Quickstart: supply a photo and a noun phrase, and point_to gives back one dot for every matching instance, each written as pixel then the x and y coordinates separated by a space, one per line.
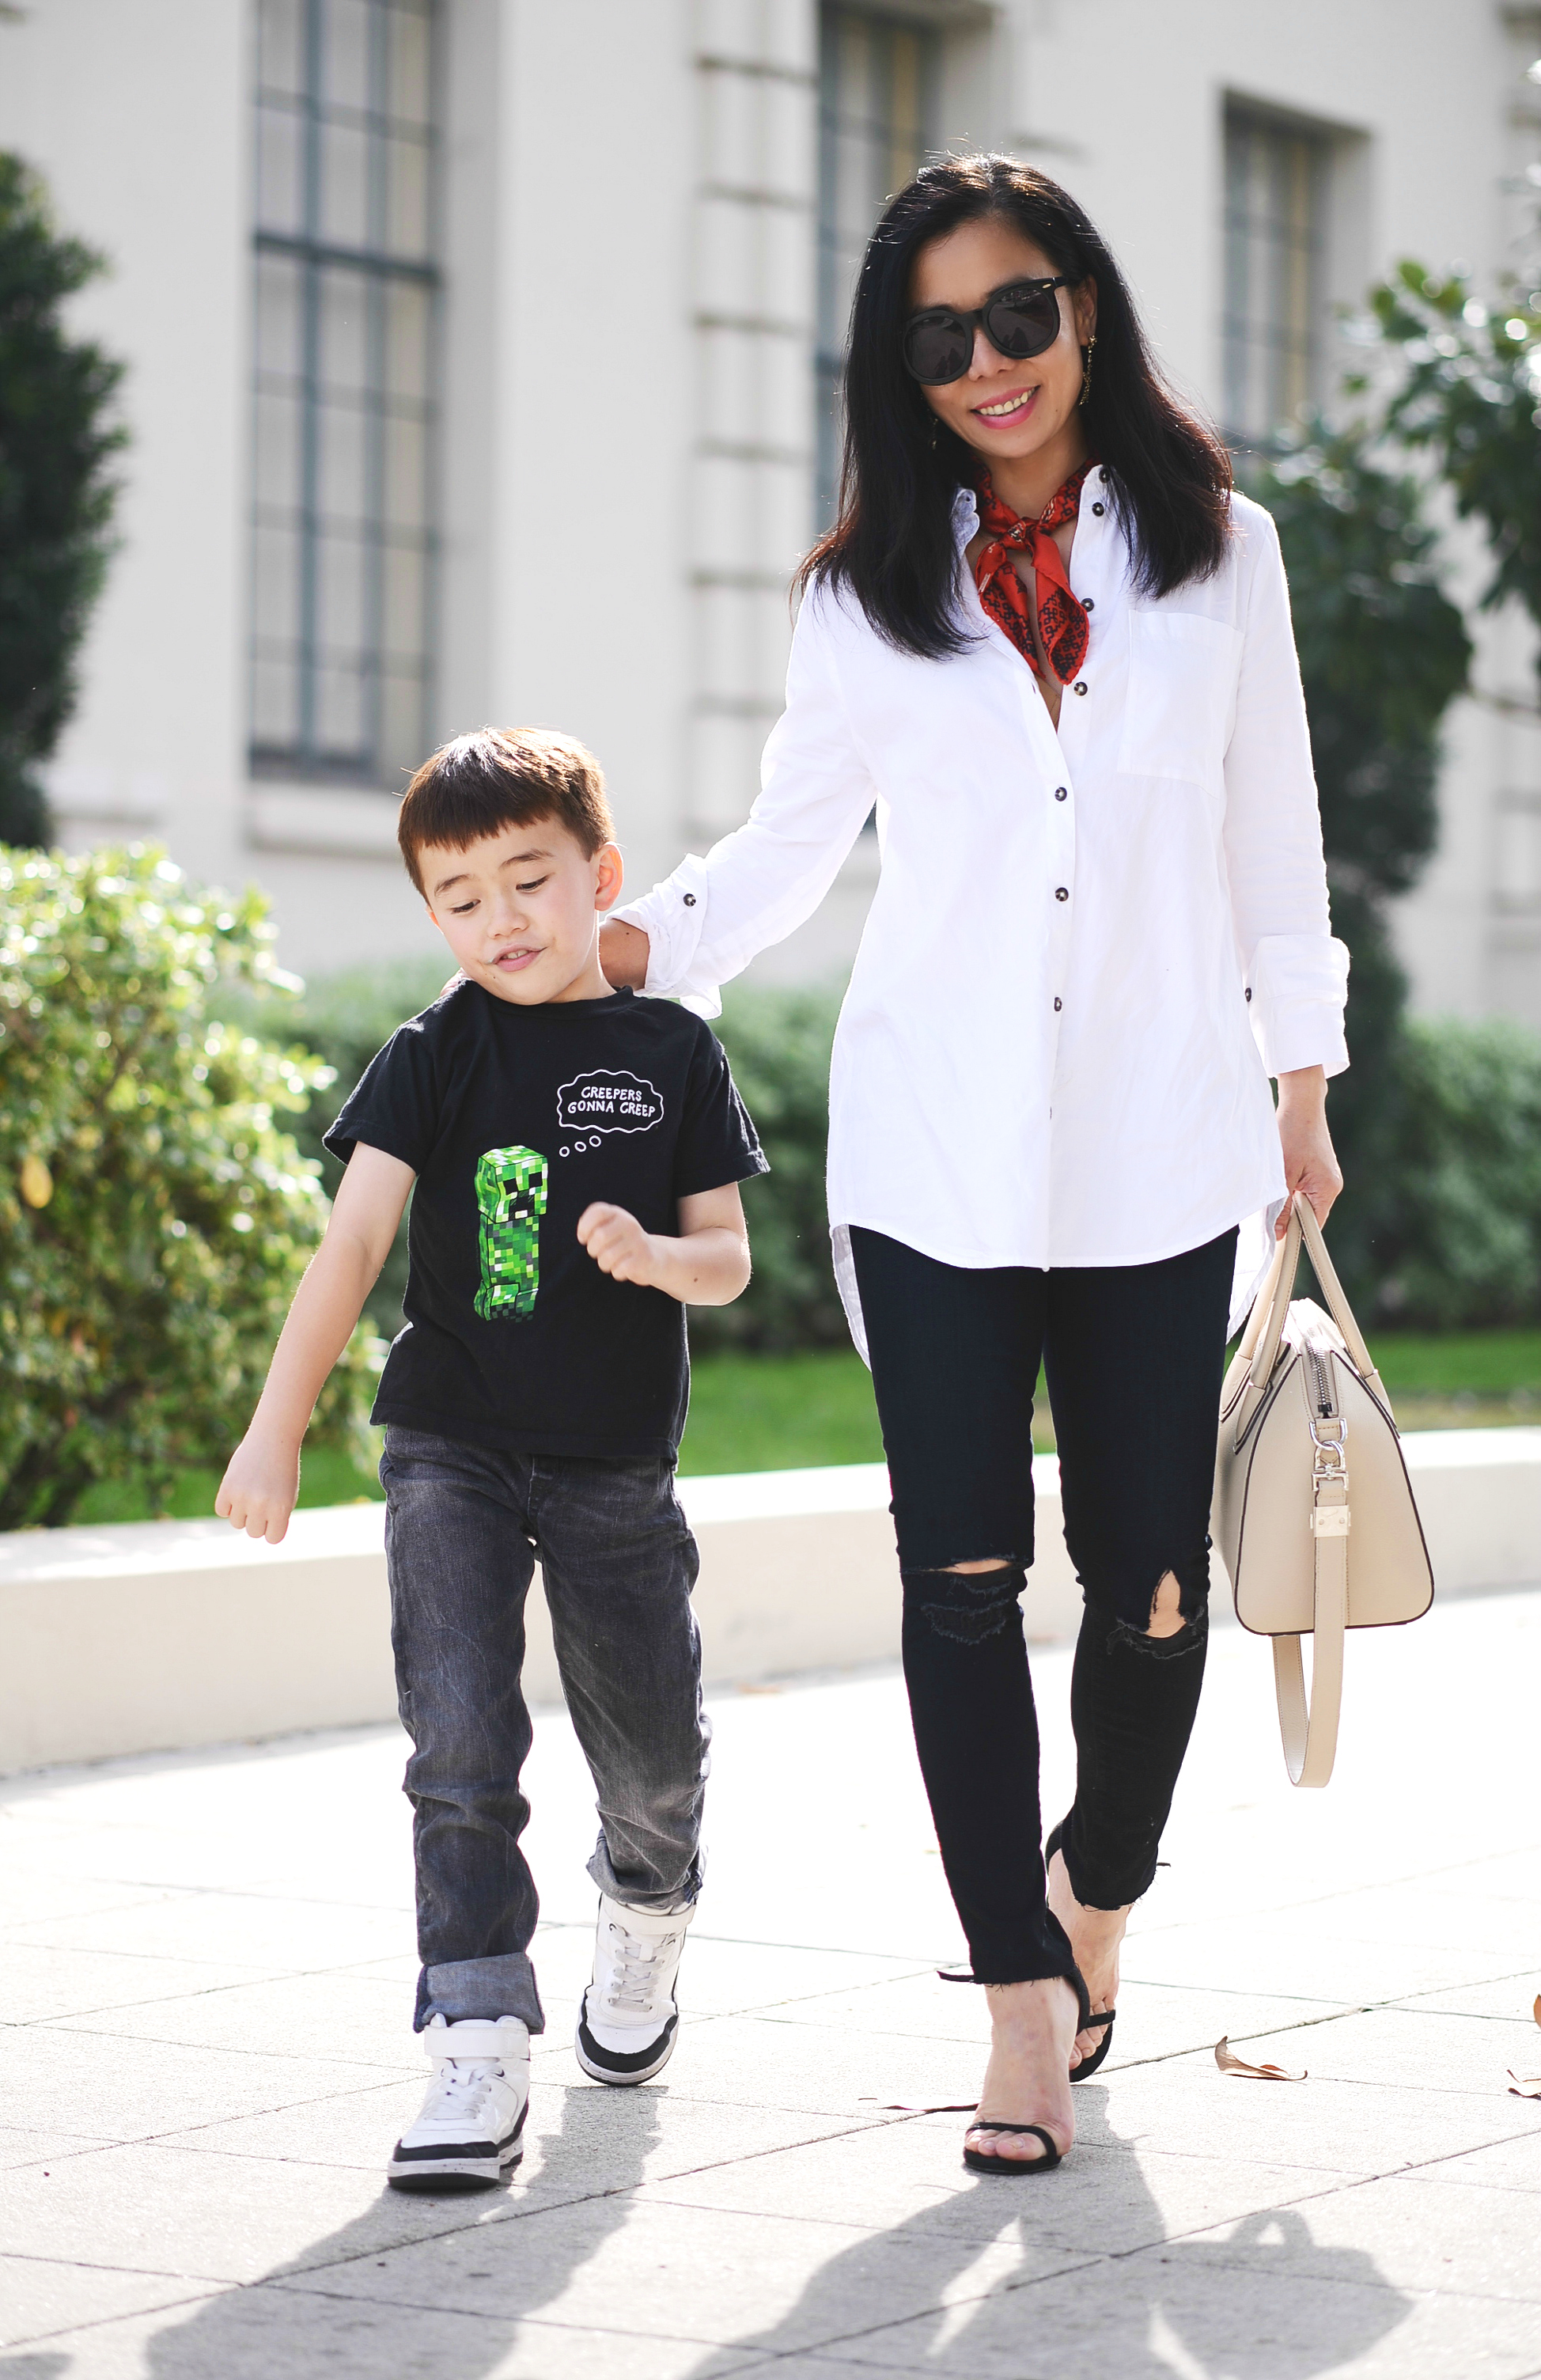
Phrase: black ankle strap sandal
pixel 982 2161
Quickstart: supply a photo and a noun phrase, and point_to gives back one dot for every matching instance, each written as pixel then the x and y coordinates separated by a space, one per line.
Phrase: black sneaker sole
pixel 622 2068
pixel 474 2165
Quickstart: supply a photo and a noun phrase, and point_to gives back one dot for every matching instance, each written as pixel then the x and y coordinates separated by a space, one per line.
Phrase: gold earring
pixel 1086 369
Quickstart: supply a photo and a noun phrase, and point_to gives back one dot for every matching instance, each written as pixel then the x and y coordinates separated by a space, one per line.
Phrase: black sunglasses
pixel 1023 319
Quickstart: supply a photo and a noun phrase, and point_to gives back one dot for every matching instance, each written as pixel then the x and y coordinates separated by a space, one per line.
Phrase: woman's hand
pixel 624 954
pixel 1309 1162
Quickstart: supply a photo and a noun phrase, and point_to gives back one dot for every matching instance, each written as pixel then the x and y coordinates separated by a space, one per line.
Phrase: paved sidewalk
pixel 205 1972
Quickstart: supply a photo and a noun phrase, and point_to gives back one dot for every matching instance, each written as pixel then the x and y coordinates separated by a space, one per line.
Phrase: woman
pixel 1052 646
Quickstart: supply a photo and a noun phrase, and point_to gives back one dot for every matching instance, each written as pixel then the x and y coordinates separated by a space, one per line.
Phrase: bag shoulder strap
pixel 1310 1729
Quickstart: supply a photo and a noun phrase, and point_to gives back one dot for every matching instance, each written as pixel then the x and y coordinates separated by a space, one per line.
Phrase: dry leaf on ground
pixel 1523 2086
pixel 1228 2063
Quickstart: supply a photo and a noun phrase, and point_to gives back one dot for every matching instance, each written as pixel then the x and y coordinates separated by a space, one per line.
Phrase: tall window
pixel 876 103
pixel 344 414
pixel 1275 193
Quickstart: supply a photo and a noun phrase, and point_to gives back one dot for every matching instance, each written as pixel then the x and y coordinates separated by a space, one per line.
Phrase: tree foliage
pixel 1383 653
pixel 155 1214
pixel 1469 394
pixel 57 436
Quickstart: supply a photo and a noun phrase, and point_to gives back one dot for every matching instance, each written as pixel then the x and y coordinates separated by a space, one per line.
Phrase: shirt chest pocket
pixel 1183 674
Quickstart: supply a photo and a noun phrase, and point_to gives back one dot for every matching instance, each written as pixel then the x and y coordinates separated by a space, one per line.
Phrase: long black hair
pixel 892 543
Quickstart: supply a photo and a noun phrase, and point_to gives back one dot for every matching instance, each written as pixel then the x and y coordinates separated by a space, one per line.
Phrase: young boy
pixel 577 1153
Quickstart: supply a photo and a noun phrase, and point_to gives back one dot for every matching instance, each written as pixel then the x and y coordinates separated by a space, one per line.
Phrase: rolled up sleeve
pixel 1296 971
pixel 712 915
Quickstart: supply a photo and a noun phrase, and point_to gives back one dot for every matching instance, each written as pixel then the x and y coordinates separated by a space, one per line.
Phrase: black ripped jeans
pixel 1133 1355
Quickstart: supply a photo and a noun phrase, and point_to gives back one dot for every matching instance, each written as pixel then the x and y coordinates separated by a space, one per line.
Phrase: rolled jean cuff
pixel 480 1988
pixel 663 1903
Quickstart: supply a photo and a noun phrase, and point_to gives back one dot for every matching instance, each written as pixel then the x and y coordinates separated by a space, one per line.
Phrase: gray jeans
pixel 463 1528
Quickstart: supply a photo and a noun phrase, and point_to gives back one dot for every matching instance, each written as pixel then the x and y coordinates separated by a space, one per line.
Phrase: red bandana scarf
pixel 1061 621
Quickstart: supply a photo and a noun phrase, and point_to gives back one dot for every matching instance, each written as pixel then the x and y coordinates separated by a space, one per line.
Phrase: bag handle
pixel 1270 1312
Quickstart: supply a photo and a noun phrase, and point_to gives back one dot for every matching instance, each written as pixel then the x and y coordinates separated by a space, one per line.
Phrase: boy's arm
pixel 258 1492
pixel 707 1265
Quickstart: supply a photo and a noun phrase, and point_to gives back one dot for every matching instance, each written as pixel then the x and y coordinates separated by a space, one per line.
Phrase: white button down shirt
pixel 1088 947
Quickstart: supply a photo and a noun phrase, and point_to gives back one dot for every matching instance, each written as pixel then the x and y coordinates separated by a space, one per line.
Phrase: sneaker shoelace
pixel 636 1961
pixel 459 2088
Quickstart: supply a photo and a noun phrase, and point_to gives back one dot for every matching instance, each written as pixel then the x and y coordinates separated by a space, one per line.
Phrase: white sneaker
pixel 626 2023
pixel 468 2133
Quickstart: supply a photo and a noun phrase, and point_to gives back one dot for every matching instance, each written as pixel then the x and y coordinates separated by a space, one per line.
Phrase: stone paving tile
pixel 41 2294
pixel 38 1984
pixel 328 2015
pixel 21 2146
pixel 715 2275
pixel 1155 2020
pixel 577 2142
pixel 242 1930
pixel 282 2332
pixel 1300 1955
pixel 129 2089
pixel 1504 2165
pixel 913 2175
pixel 1186 2107
pixel 143 2208
pixel 35 1895
pixel 718 1977
pixel 1411 2048
pixel 1172 2311
pixel 1505 1996
pixel 758 2060
pixel 1481 2241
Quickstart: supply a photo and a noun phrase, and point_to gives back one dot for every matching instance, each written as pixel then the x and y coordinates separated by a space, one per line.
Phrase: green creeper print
pixel 511 1194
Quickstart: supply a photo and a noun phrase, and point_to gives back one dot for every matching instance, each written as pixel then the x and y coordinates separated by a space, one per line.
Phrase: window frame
pixel 308 758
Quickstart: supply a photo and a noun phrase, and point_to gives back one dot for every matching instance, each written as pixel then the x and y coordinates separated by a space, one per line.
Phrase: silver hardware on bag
pixel 1360 1561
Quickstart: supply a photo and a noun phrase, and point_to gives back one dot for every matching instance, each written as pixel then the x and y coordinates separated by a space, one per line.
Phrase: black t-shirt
pixel 514 1120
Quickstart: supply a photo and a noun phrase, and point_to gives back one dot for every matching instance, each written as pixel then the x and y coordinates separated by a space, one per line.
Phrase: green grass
pixel 779 1413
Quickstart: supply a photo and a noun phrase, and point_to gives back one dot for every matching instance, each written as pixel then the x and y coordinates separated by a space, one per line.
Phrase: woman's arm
pixel 707 921
pixel 1296 974
pixel 261 1481
pixel 1310 1160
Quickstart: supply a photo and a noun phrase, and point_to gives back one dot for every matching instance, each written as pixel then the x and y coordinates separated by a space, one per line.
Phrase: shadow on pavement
pixel 366 2302
pixel 1265 2303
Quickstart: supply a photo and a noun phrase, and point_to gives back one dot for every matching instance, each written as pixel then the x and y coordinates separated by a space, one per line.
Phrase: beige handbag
pixel 1313 1513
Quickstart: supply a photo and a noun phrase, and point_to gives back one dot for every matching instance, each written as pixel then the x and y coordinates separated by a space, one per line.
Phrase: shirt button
pixel 690 900
pixel 1088 603
pixel 1060 893
pixel 1249 991
pixel 1058 1005
pixel 1061 792
pixel 1080 685
pixel 1099 509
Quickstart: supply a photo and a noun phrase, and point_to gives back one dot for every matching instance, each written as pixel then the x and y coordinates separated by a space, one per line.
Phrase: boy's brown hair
pixel 503 776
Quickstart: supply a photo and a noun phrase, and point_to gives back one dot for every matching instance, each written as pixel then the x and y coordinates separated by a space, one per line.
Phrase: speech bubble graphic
pixel 609 1099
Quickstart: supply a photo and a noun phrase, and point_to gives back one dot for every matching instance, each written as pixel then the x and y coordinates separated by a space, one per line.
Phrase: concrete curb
pixel 155 1635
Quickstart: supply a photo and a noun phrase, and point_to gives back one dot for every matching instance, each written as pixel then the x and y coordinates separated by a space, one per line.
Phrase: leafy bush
pixel 1383 652
pixel 56 498
pixel 155 1215
pixel 1462 1243
pixel 778 1043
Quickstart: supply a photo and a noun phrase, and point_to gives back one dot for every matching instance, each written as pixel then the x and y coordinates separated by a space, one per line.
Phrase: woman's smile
pixel 1013 406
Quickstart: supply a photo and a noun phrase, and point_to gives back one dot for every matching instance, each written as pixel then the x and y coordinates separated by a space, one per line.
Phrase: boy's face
pixel 521 910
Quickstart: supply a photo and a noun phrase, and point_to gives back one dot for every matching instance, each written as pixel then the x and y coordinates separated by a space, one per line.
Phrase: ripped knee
pixel 968 1603
pixel 1166 1608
